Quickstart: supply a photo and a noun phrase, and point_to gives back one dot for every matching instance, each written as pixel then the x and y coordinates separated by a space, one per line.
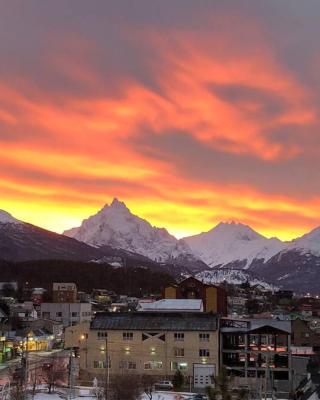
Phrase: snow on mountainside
pixel 233 277
pixel 308 243
pixel 114 225
pixel 233 243
pixel 6 218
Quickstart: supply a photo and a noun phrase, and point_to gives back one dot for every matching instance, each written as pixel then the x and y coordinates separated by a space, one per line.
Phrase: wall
pixel 140 352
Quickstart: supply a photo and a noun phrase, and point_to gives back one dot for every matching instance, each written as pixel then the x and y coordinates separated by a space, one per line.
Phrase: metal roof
pixel 172 305
pixel 252 325
pixel 161 321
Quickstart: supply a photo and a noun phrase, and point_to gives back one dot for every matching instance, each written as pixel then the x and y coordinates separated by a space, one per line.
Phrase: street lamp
pixel 107 362
pixel 84 336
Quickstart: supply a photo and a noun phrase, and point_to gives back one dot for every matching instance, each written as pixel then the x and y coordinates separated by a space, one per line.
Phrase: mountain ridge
pixel 114 230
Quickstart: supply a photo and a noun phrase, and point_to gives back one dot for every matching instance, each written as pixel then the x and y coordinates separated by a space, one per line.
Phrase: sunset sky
pixel 191 112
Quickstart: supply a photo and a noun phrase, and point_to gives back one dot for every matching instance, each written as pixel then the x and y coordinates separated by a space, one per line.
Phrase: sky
pixel 191 112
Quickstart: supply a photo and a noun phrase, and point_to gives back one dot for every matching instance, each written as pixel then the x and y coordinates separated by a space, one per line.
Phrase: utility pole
pixel 107 371
pixel 24 371
pixel 71 374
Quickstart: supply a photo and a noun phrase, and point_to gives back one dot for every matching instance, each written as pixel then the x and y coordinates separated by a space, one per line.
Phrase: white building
pixel 172 305
pixel 67 313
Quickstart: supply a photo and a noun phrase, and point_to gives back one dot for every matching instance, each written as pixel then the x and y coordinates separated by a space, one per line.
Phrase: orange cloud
pixel 62 157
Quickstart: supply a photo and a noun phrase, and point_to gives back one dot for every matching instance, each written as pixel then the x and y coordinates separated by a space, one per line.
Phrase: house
pixel 214 298
pixel 149 343
pixel 303 336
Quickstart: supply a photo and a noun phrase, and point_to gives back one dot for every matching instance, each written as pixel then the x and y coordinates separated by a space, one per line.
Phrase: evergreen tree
pixel 178 379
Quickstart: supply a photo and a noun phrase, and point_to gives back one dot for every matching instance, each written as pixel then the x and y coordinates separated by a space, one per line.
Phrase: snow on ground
pixel 156 396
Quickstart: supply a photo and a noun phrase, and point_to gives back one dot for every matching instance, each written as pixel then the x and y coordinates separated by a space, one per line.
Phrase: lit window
pixel 101 364
pixel 178 365
pixel 153 365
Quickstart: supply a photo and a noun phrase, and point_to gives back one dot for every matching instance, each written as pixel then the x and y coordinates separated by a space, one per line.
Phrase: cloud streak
pixel 190 122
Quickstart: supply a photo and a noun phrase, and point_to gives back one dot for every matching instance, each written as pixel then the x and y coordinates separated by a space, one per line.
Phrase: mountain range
pixel 115 229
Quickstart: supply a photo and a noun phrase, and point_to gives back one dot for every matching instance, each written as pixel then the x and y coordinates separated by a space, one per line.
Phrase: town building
pixel 214 298
pixel 66 313
pixel 260 349
pixel 152 343
pixel 303 336
pixel 64 292
pixel 171 305
pixel 37 296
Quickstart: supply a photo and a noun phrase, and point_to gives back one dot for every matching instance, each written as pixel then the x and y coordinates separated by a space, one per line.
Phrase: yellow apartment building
pixel 152 343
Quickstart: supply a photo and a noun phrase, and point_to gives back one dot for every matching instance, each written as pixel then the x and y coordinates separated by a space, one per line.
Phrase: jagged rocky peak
pixel 116 205
pixel 6 218
pixel 114 225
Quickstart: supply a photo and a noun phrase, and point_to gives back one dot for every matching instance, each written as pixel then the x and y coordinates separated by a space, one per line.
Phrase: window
pixel 127 335
pixel 59 314
pixel 99 364
pixel 204 337
pixel 179 337
pixel 132 365
pixel 178 365
pixel 102 335
pixel 74 314
pixel 204 353
pixel 179 352
pixel 46 315
pixel 127 365
pixel 153 365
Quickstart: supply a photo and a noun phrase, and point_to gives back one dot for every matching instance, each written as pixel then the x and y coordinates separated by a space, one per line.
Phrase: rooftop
pixel 163 321
pixel 172 305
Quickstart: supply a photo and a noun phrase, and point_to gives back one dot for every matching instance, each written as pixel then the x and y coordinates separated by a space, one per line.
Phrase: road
pixel 35 359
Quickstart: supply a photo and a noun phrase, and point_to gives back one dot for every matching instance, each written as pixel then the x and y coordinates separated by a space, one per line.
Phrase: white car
pixel 164 385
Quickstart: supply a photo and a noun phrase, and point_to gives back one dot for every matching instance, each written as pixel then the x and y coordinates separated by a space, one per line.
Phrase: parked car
pixel 168 385
pixel 198 397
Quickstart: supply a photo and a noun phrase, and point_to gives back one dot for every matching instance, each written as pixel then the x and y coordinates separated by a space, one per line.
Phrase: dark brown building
pixel 214 298
pixel 64 292
pixel 302 335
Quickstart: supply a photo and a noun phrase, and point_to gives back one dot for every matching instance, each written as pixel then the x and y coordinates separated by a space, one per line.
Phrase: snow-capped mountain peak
pixel 310 242
pixel 6 218
pixel 116 226
pixel 233 243
pixel 234 230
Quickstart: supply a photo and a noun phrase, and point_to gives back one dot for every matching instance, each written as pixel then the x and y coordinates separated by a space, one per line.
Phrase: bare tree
pixel 121 387
pixel 54 372
pixel 147 385
pixel 18 387
pixel 35 378
pixel 125 387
